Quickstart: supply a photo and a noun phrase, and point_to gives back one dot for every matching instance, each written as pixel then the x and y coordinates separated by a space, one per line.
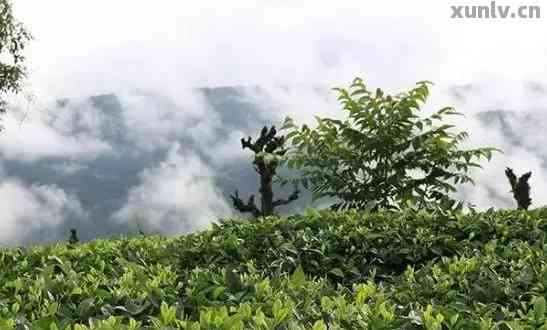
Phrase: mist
pixel 163 120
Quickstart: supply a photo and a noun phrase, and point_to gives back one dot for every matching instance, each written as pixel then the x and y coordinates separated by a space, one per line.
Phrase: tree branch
pixel 249 207
pixel 267 138
pixel 520 188
pixel 292 197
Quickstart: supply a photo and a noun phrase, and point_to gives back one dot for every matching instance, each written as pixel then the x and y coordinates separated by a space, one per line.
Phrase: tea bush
pixel 321 270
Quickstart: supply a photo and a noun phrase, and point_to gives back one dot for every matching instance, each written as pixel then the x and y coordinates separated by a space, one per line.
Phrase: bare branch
pixel 292 197
pixel 249 207
pixel 520 188
pixel 267 143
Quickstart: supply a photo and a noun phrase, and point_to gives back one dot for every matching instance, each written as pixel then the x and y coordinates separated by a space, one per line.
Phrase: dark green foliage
pixel 387 270
pixel 268 150
pixel 520 188
pixel 383 155
pixel 13 39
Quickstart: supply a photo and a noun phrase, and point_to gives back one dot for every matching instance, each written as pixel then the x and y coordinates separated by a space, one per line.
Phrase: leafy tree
pixel 520 188
pixel 13 39
pixel 383 155
pixel 268 152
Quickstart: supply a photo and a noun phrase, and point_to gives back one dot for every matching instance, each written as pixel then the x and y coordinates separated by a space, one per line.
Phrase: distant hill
pixel 142 129
pixel 102 183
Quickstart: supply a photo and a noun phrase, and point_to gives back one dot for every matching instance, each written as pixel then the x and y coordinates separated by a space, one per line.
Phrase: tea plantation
pixel 321 270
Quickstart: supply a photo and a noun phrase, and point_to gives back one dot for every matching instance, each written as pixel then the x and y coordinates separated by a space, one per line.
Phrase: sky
pixel 135 44
pixel 166 48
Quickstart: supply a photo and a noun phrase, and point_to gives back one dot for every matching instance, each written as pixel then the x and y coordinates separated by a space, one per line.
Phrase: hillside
pixel 406 270
pixel 139 130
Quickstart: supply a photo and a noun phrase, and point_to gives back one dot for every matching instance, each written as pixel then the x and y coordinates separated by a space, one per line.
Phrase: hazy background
pixel 134 110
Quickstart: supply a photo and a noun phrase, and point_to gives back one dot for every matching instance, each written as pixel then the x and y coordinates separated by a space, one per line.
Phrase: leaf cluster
pixel 383 154
pixel 385 270
pixel 13 40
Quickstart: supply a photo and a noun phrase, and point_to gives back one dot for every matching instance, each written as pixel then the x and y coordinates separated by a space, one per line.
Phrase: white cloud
pixel 527 121
pixel 177 196
pixel 34 212
pixel 104 47
pixel 300 102
pixel 155 120
pixel 32 134
pixel 164 48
